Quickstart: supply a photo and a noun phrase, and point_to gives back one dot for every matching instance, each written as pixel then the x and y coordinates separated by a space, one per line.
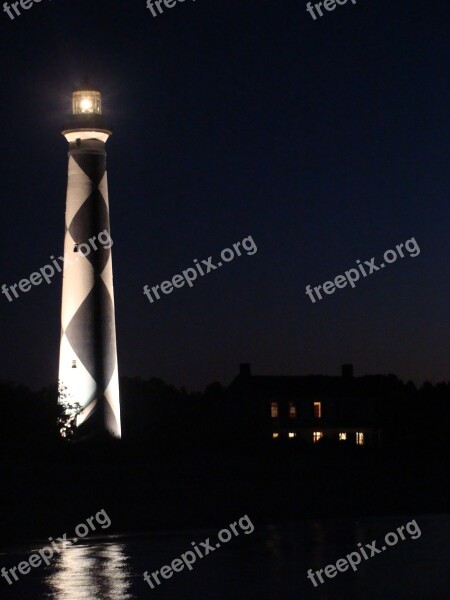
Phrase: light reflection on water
pixel 269 564
pixel 88 572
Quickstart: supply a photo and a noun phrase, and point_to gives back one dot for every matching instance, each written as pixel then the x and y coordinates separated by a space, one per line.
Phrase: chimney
pixel 245 370
pixel 347 371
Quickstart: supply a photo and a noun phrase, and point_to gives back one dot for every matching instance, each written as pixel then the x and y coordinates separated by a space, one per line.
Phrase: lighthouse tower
pixel 88 371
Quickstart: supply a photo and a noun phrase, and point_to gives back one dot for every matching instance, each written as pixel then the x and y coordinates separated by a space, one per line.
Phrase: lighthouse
pixel 88 369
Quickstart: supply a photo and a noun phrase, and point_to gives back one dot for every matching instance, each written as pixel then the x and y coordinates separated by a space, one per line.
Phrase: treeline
pixel 159 419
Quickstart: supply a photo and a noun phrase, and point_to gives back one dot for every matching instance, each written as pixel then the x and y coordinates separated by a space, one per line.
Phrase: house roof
pixel 320 385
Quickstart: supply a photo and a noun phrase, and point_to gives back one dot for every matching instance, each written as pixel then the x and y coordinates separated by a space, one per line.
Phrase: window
pixel 317 410
pixel 292 410
pixel 274 410
pixel 317 435
pixel 275 435
pixel 359 439
pixel 342 437
pixel 74 364
pixel 292 434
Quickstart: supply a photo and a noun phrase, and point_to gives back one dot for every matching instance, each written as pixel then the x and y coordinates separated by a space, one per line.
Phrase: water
pixel 270 563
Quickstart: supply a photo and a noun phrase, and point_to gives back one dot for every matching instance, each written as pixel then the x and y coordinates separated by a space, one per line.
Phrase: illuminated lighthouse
pixel 88 370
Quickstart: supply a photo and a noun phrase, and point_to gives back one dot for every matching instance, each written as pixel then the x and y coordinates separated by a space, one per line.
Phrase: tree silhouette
pixel 68 412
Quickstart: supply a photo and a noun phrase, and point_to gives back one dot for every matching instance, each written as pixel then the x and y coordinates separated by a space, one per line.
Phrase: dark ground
pixel 50 496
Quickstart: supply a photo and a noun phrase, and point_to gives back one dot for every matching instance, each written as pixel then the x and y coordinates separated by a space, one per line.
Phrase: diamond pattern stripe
pixel 88 337
pixel 92 218
pixel 94 165
pixel 91 334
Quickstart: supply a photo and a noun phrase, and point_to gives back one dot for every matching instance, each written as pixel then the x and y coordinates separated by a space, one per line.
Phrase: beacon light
pixel 86 102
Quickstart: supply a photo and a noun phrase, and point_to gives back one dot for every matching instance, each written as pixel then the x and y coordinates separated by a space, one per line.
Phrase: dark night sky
pixel 325 140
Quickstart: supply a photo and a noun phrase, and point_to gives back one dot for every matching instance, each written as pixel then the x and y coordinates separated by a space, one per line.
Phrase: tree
pixel 68 412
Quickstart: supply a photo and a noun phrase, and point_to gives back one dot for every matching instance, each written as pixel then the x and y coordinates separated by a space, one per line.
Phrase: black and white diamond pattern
pixel 88 355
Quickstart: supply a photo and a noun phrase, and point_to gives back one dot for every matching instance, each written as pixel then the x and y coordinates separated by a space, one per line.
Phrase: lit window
pixel 342 437
pixel 359 439
pixel 274 410
pixel 292 434
pixel 74 364
pixel 317 410
pixel 317 435
pixel 275 434
pixel 292 410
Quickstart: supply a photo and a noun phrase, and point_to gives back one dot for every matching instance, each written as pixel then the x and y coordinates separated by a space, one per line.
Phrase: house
pixel 312 408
